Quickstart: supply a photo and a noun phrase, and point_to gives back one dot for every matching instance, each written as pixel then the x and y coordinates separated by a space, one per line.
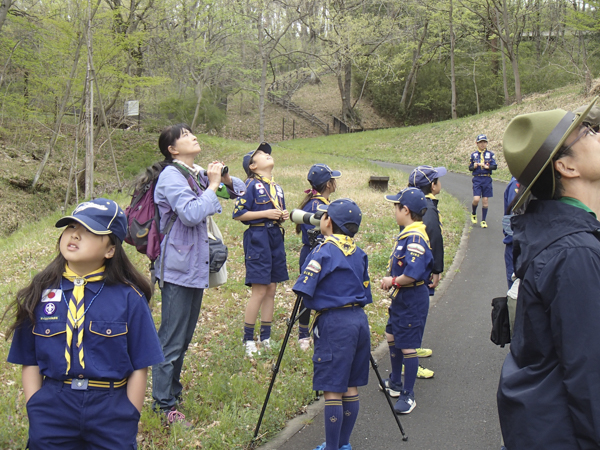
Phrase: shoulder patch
pixel 313 266
pixel 416 248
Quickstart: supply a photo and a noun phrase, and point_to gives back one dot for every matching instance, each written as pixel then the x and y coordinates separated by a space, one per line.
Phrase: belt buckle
pixel 80 384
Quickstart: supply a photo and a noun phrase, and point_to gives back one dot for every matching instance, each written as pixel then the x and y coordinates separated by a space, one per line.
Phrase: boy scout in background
pixel 482 163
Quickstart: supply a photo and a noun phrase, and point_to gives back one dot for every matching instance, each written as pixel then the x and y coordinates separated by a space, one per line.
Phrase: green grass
pixel 223 390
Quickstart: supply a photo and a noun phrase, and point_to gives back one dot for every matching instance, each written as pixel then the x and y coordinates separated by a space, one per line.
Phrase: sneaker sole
pixel 391 392
pixel 422 377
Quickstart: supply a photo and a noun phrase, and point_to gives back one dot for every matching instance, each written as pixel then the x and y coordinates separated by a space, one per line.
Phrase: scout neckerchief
pixel 415 228
pixel 272 192
pixel 321 198
pixel 76 314
pixel 344 243
pixel 432 197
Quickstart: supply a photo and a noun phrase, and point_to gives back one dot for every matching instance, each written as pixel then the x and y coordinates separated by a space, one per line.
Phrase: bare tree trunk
pixel 199 88
pixel 504 81
pixel 4 7
pixel 413 69
pixel 345 87
pixel 475 85
pixel 263 81
pixel 512 53
pixel 452 72
pixel 89 123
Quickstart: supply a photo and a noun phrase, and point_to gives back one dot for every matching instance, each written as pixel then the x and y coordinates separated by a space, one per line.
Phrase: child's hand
pixel 273 214
pixel 386 283
pixel 286 215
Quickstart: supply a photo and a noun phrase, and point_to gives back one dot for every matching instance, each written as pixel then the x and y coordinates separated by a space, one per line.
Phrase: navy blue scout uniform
pixel 482 178
pixel 317 176
pixel 264 248
pixel 335 283
pixel 420 177
pixel 509 195
pixel 410 304
pixel 119 337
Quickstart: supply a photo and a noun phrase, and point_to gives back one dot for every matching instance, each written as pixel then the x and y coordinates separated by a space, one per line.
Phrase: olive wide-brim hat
pixel 531 140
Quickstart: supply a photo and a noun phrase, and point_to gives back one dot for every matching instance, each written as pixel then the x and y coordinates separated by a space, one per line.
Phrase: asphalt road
pixel 457 408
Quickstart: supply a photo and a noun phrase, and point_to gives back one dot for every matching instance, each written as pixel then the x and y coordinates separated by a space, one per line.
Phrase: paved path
pixel 457 408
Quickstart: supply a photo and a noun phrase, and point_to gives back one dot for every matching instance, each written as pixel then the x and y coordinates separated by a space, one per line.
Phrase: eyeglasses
pixel 588 130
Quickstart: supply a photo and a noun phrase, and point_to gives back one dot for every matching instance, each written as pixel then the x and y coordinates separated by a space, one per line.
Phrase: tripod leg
pixel 388 398
pixel 291 322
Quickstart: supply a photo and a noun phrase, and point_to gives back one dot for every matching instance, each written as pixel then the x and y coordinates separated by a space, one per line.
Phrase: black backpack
pixel 500 322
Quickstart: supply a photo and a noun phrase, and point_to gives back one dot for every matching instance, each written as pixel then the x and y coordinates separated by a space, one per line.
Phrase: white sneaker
pixel 266 344
pixel 304 344
pixel 251 349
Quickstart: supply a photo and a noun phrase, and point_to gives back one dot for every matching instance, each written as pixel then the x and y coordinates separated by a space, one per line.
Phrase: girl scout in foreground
pixel 85 337
pixel 262 208
pixel 335 283
pixel 410 268
pixel 323 183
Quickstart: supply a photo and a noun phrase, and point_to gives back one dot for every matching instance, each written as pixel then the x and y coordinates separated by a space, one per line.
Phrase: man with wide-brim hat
pixel 549 391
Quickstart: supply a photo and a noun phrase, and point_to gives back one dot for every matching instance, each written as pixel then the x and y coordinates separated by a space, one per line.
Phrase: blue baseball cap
pixel 424 175
pixel 263 146
pixel 343 211
pixel 481 137
pixel 320 174
pixel 411 197
pixel 100 216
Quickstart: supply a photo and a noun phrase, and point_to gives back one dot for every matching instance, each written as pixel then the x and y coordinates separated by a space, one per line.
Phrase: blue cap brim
pixel 91 225
pixel 441 171
pixel 392 198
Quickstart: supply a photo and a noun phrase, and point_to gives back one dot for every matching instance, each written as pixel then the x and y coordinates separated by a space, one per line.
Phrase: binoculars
pixel 224 170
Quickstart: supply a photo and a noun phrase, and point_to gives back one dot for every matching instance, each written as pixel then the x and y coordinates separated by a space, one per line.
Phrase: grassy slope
pixel 224 390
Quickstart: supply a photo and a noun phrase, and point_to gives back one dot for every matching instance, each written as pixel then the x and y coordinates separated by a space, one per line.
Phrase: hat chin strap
pixel 544 153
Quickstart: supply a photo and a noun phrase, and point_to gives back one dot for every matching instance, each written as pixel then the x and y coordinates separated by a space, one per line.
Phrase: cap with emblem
pixel 343 212
pixel 412 198
pixel 320 174
pixel 481 137
pixel 532 140
pixel 100 216
pixel 263 146
pixel 424 175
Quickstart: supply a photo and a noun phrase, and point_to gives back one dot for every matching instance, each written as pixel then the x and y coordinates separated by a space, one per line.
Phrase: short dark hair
pixel 542 188
pixel 168 137
pixel 351 227
pixel 413 215
pixel 427 188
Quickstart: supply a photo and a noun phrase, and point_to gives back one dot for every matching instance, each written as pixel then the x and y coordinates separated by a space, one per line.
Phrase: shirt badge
pixel 51 295
pixel 49 309
pixel 259 186
pixel 400 247
pixel 416 248
pixel 314 266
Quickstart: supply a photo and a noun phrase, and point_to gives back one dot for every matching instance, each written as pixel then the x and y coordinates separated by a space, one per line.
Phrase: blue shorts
pixel 342 349
pixel 61 418
pixel 482 187
pixel 264 250
pixel 407 316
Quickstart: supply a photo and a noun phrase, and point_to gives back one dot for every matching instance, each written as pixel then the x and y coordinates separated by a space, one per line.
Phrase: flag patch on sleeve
pixel 51 295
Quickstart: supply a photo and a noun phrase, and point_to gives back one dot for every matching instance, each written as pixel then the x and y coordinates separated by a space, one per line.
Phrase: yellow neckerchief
pixel 76 314
pixel 344 243
pixel 415 228
pixel 321 198
pixel 432 197
pixel 272 193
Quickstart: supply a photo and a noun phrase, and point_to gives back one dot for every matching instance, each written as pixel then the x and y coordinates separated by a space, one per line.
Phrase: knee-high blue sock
pixel 396 359
pixel 483 213
pixel 411 366
pixel 248 332
pixel 334 418
pixel 265 330
pixel 351 406
pixel 474 209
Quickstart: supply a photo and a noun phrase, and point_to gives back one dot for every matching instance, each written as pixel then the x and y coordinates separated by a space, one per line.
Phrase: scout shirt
pixel 411 255
pixel 335 274
pixel 119 334
pixel 482 157
pixel 258 197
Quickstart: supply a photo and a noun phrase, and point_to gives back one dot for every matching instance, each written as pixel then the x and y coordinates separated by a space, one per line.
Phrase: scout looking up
pixel 262 208
pixel 85 337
